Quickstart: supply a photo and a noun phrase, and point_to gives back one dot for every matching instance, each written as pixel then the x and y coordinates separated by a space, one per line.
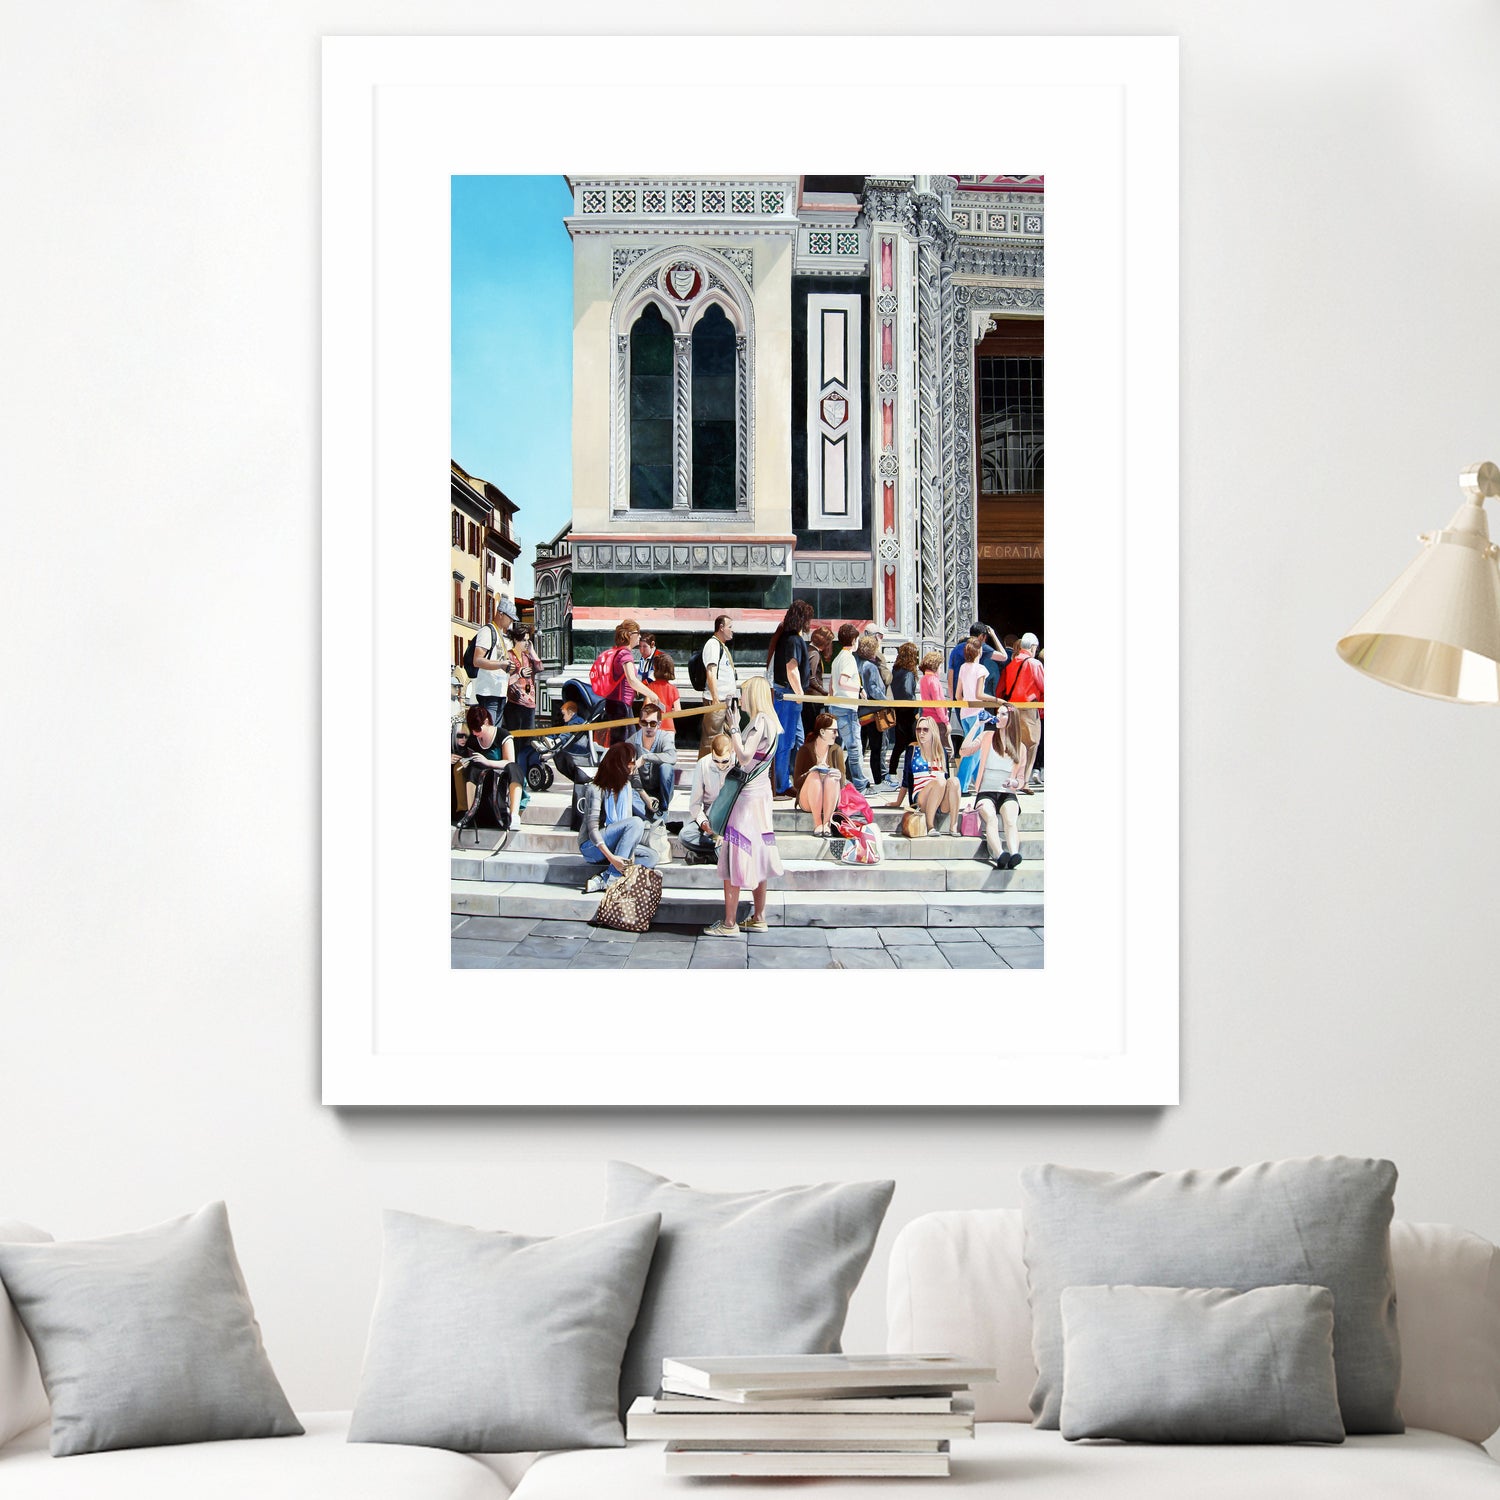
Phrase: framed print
pixel 739 445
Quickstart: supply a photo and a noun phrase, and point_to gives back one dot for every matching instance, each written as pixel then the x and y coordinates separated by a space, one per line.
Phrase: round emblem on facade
pixel 683 281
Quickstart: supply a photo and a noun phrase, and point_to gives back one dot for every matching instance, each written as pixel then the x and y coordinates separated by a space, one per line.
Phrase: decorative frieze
pixel 855 571
pixel 682 557
pixel 995 258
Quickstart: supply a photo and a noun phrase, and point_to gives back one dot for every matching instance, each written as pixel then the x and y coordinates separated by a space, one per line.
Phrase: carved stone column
pixel 896 593
pixel 682 421
pixel 619 487
pixel 742 423
pixel 931 533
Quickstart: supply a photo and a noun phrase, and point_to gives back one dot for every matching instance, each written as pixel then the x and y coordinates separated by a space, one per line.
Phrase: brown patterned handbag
pixel 629 903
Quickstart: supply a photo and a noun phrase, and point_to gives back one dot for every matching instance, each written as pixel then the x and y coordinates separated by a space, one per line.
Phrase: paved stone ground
pixel 532 943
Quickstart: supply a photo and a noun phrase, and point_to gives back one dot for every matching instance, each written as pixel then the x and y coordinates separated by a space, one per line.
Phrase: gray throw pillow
pixel 487 1342
pixel 1324 1221
pixel 1156 1364
pixel 147 1339
pixel 744 1273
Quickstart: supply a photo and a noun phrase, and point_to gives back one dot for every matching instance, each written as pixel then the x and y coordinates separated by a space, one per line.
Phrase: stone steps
pixel 784 908
pixel 508 867
pixel 552 809
pixel 536 838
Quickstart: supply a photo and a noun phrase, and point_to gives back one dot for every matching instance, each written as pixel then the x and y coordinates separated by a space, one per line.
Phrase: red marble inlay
pixel 887 422
pixel 890 596
pixel 886 277
pixel 885 344
pixel 889 521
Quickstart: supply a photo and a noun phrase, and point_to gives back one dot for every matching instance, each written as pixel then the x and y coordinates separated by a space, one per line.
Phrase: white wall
pixel 159 581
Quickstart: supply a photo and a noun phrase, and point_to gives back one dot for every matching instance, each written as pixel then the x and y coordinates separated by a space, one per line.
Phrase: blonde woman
pixel 748 856
pixel 928 779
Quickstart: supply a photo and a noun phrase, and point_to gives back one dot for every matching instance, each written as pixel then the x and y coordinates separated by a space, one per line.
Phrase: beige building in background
pixel 483 550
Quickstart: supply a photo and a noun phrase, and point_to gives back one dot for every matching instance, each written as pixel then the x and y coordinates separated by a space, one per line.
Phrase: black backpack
pixel 469 652
pixel 698 668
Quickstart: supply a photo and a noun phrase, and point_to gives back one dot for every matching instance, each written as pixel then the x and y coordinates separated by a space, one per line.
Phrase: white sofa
pixel 956 1282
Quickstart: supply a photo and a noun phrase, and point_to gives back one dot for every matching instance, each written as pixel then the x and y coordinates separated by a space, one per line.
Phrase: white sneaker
pixel 755 924
pixel 594 886
pixel 722 928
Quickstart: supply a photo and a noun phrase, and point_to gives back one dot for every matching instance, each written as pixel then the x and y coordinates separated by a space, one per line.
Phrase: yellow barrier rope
pixel 868 705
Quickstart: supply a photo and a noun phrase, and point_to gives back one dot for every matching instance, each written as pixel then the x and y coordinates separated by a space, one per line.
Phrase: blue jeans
pixel 620 839
pixel 847 720
pixel 657 781
pixel 789 741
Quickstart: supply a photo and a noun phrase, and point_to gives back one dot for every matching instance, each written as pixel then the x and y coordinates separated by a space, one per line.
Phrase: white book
pixel 752 1425
pixel 890 1405
pixel 805 1465
pixel 814 1445
pixel 741 1396
pixel 825 1371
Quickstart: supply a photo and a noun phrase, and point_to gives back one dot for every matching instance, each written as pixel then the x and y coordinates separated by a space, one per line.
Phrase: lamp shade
pixel 1436 630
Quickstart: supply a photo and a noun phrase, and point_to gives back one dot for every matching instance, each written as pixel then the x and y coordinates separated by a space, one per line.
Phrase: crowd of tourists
pixel 928 756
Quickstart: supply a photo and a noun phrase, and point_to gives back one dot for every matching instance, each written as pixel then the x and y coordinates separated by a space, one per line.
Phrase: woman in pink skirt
pixel 748 857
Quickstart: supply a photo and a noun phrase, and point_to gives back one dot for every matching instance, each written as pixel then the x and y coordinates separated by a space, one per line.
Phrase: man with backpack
pixel 487 663
pixel 712 671
pixel 614 678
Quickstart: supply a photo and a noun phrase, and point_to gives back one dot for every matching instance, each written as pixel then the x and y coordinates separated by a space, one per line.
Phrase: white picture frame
pixel 1099 1023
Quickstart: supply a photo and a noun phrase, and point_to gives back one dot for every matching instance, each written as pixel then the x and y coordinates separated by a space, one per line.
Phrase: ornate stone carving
pixel 622 260
pixel 742 258
pixel 988 258
pixel 889 200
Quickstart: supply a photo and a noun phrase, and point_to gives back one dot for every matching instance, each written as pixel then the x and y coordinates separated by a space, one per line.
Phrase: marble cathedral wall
pixel 831 344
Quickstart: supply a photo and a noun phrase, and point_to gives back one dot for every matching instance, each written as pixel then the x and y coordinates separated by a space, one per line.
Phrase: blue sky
pixel 512 348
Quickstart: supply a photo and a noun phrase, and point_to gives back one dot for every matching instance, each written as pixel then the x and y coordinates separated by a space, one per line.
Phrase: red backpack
pixel 606 674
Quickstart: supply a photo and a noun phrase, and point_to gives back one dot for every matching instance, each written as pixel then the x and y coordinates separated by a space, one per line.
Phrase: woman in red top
pixel 664 685
pixel 622 682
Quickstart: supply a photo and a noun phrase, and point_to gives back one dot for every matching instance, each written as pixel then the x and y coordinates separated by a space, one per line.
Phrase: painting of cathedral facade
pixel 820 387
pixel 827 390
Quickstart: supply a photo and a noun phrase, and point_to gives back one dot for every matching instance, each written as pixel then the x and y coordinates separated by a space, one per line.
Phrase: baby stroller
pixel 572 739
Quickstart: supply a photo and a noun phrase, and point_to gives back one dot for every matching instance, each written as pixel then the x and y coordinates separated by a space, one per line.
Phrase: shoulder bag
pixel 735 782
pixel 629 903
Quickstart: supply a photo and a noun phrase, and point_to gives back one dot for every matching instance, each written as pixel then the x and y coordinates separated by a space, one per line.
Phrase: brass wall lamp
pixel 1436 630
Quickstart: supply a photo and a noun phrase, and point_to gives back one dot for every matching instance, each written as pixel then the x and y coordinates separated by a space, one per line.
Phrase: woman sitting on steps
pixel 927 778
pixel 611 832
pixel 994 739
pixel 819 775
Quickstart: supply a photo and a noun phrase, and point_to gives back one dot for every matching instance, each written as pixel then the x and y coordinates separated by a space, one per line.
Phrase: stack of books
pixel 810 1414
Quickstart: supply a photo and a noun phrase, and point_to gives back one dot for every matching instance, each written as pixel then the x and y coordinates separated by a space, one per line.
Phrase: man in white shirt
pixel 492 675
pixel 722 681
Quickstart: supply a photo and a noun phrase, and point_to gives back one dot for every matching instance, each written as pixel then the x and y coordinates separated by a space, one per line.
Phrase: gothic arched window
pixel 682 386
pixel 713 411
pixel 651 411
